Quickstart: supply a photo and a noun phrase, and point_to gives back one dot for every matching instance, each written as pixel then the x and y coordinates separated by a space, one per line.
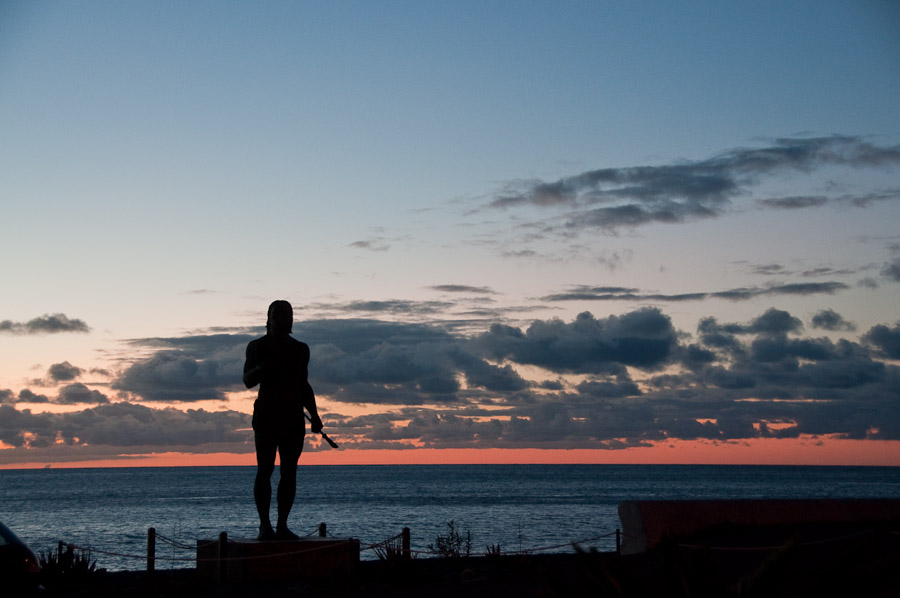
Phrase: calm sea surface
pixel 519 507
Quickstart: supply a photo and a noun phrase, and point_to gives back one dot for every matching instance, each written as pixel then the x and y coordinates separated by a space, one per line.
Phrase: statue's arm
pixel 252 367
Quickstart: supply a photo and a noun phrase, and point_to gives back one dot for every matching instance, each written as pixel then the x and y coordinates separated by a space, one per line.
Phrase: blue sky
pixel 439 168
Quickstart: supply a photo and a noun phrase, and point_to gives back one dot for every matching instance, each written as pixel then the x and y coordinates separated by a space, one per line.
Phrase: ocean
pixel 521 508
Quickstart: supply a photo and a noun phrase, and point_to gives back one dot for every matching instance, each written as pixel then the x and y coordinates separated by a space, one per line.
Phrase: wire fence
pixel 398 546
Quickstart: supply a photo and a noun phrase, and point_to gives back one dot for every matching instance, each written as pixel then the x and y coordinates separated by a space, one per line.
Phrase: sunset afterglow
pixel 595 233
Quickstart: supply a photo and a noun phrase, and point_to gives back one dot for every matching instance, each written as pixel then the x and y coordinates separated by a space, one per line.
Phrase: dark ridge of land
pixel 860 564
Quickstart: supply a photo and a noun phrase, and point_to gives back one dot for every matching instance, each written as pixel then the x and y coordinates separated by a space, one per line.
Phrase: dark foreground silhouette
pixel 854 566
pixel 279 364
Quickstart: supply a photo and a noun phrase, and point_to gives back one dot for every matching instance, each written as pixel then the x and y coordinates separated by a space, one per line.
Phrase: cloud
pixel 814 385
pixel 413 310
pixel 886 340
pixel 769 269
pixel 46 324
pixel 374 361
pixel 61 372
pixel 800 288
pixel 198 368
pixel 355 360
pixel 610 199
pixel 793 203
pixel 602 293
pixel 891 270
pixel 867 283
pixel 371 245
pixel 124 425
pixel 590 382
pixel 76 393
pixel 520 253
pixel 608 389
pixel 644 338
pixel 775 322
pixel 399 306
pixel 461 288
pixel 70 394
pixel 27 396
pixel 828 319
pixel 827 271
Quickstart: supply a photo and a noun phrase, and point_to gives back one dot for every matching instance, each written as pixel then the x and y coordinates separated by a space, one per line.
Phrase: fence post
pixel 322 530
pixel 151 549
pixel 223 555
pixel 404 543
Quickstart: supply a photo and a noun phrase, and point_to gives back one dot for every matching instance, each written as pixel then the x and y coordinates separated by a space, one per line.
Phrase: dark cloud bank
pixel 122 425
pixel 623 380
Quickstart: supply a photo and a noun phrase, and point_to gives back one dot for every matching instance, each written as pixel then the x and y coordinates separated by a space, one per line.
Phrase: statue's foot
pixel 284 533
pixel 266 533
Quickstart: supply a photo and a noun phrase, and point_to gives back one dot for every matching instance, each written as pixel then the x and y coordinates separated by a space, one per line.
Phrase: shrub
pixel 453 544
pixel 68 564
pixel 389 550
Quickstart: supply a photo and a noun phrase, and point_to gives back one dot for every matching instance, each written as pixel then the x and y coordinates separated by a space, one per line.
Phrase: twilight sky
pixel 610 228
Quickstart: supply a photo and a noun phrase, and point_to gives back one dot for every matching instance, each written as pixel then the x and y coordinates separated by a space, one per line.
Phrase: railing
pixel 383 549
pixel 405 551
pixel 388 548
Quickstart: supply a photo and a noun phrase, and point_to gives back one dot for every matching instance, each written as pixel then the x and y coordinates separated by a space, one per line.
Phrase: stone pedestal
pixel 251 560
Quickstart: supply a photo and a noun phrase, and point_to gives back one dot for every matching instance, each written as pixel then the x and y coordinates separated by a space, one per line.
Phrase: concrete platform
pixel 242 559
pixel 645 524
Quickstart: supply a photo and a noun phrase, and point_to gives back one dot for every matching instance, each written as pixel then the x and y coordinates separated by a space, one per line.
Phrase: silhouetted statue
pixel 278 363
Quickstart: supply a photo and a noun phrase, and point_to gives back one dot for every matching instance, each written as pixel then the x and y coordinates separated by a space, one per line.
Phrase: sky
pixel 602 232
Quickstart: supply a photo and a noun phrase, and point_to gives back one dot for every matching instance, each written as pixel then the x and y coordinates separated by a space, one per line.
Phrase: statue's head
pixel 281 317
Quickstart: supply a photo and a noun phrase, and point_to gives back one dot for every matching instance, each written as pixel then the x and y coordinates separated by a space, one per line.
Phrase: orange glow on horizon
pixel 808 451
